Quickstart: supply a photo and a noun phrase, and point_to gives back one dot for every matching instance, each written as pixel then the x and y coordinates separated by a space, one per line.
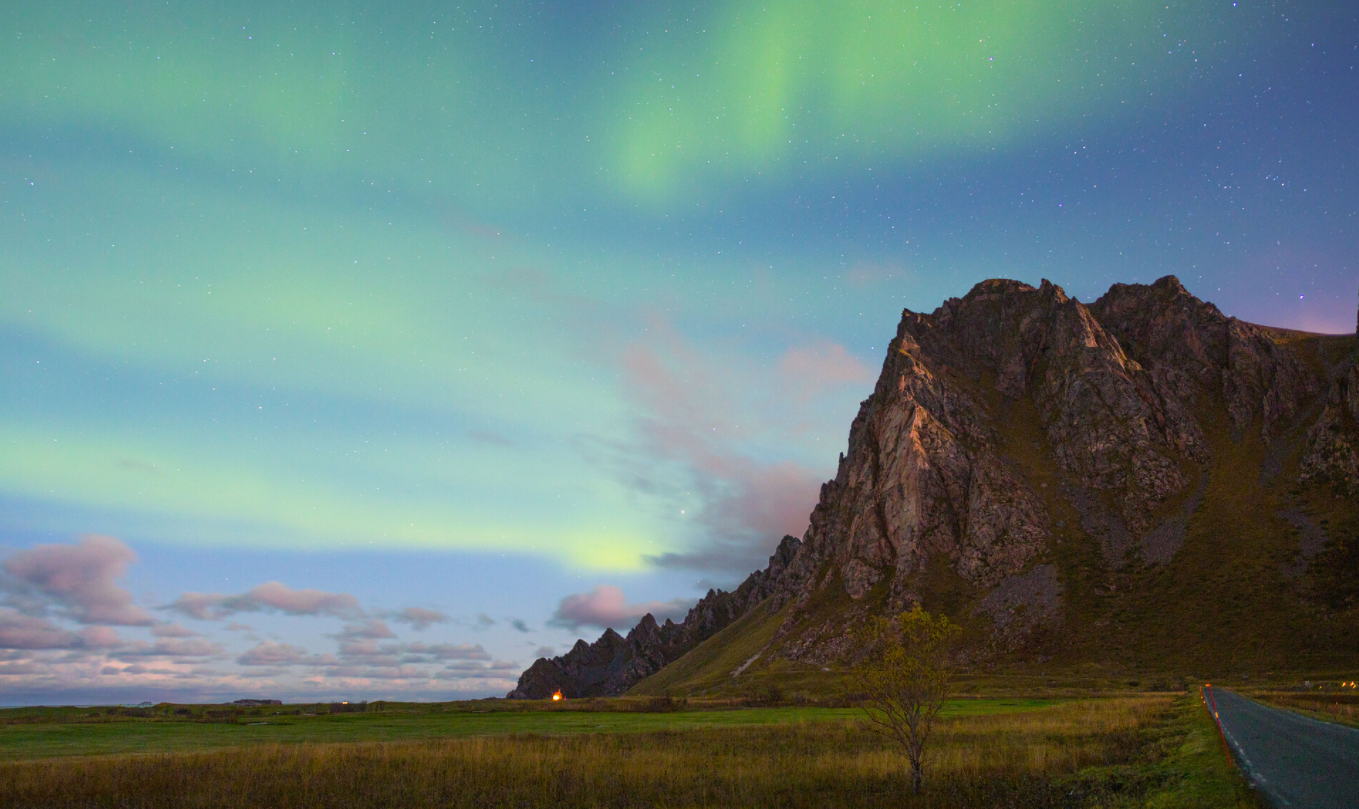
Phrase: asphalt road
pixel 1295 761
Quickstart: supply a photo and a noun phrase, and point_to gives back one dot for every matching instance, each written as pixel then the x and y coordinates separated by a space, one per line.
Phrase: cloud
pixel 810 370
pixel 605 607
pixel 372 628
pixel 79 579
pixel 20 668
pixel 416 617
pixel 270 596
pixel 19 631
pixel 171 647
pixel 447 651
pixel 545 651
pixel 518 623
pixel 499 670
pixel 368 652
pixel 269 653
pixel 484 620
pixel 705 437
pixel 359 672
pixel 99 637
pixel 172 631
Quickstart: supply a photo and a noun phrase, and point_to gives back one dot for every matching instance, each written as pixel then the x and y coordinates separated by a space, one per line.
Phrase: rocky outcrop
pixel 588 670
pixel 613 664
pixel 1333 443
pixel 1195 354
pixel 926 474
pixel 1118 390
pixel 1023 603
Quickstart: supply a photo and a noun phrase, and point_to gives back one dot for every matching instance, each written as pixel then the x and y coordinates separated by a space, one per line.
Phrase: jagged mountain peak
pixel 1016 426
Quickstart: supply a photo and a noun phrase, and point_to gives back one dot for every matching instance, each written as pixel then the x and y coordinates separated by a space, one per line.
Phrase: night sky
pixel 373 350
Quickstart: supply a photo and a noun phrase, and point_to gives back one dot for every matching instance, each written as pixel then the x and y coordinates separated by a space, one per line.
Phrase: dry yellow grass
pixel 1000 760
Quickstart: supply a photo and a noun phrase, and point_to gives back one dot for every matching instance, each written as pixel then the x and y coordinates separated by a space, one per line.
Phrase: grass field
pixel 77 733
pixel 1157 751
pixel 1330 706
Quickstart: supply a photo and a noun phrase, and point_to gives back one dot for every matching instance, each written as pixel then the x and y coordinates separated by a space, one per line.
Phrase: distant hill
pixel 1140 485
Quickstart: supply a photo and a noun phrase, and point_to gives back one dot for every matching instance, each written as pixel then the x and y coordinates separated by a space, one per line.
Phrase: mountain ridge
pixel 1023 456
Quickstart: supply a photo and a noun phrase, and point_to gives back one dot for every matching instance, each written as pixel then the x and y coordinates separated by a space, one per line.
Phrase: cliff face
pixel 924 476
pixel 1334 440
pixel 1015 428
pixel 1119 395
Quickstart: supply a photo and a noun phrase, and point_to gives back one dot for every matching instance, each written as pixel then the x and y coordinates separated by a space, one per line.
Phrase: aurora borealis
pixel 474 309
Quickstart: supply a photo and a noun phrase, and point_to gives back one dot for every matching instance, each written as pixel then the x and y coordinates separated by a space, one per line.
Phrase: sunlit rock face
pixel 1014 400
pixel 940 468
pixel 929 476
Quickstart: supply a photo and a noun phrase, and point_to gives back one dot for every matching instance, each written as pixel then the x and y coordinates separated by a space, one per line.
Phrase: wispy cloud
pixel 172 631
pixel 703 442
pixel 270 596
pixel 270 653
pixel 416 617
pixel 810 370
pixel 171 647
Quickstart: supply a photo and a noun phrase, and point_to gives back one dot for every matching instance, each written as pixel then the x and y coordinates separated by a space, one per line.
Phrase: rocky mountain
pixel 613 664
pixel 1140 483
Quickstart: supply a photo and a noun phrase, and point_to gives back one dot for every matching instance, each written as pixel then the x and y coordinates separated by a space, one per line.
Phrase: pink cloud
pixel 770 499
pixel 358 648
pixel 268 596
pixel 80 578
pixel 417 617
pixel 708 426
pixel 100 637
pixel 605 606
pixel 172 631
pixel 372 628
pixel 269 653
pixel 379 673
pixel 19 631
pixel 810 370
pixel 171 647
pixel 300 602
pixel 446 651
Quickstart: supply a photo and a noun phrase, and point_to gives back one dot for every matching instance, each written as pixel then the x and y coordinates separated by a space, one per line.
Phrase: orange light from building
pixel 557 695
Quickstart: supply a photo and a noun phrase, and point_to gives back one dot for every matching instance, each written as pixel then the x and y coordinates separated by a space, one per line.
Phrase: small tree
pixel 904 676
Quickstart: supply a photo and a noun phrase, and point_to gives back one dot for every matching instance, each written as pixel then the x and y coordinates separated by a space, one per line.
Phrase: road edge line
pixel 1206 694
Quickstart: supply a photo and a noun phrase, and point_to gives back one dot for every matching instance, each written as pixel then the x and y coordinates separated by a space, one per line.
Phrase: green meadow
pixel 75 732
pixel 1143 750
